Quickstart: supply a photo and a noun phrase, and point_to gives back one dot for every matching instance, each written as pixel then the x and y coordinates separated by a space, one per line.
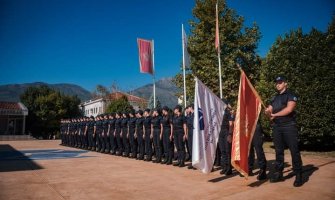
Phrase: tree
pixel 119 105
pixel 151 102
pixel 308 62
pixel 237 42
pixel 101 91
pixel 46 107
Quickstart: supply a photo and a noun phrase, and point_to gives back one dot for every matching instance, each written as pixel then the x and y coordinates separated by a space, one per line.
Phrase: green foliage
pixel 237 42
pixel 151 102
pixel 119 105
pixel 100 91
pixel 308 61
pixel 46 107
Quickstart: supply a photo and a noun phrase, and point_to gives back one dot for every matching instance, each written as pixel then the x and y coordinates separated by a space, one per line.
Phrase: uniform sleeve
pixel 292 97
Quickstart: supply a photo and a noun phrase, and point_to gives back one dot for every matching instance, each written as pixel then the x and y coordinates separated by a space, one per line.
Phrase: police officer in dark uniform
pixel 285 133
pixel 84 136
pixel 131 131
pixel 73 132
pixel 105 134
pixel 118 134
pixel 139 134
pixel 179 134
pixel 189 122
pixel 225 137
pixel 156 131
pixel 80 132
pixel 111 133
pixel 125 141
pixel 257 144
pixel 98 133
pixel 65 129
pixel 91 134
pixel 147 135
pixel 167 136
pixel 62 130
pixel 67 133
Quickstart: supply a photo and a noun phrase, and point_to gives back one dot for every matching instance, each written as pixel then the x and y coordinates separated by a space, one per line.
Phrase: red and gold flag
pixel 248 108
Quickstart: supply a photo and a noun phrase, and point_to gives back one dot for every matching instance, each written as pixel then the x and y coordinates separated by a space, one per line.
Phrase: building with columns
pixel 12 118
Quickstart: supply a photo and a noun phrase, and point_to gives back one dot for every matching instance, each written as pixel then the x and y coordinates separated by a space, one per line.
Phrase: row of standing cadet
pixel 141 135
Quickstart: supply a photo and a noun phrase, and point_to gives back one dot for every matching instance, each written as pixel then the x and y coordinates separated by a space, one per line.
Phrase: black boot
pixel 250 173
pixel 177 163
pixel 298 180
pixel 276 177
pixel 169 161
pixel 164 162
pixel 229 171
pixel 261 175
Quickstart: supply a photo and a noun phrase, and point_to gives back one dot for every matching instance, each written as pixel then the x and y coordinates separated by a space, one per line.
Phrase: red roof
pixel 10 105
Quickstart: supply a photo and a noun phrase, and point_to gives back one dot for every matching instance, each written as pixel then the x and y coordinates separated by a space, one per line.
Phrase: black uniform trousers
pixel 99 139
pixel 132 142
pixel 157 144
pixel 167 145
pixel 225 148
pixel 112 141
pixel 119 141
pixel 140 142
pixel 190 142
pixel 257 145
pixel 287 136
pixel 125 141
pixel 180 144
pixel 84 140
pixel 148 143
pixel 91 140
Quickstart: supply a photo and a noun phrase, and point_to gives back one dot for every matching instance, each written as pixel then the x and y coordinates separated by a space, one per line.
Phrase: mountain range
pixel 165 91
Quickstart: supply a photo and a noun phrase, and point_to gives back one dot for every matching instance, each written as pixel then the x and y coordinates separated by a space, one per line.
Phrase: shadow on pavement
pixel 307 172
pixel 14 160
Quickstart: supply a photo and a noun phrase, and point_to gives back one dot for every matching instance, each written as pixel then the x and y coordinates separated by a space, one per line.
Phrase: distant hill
pixel 165 92
pixel 12 92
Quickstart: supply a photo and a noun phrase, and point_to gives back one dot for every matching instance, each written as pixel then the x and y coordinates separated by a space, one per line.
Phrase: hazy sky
pixel 90 42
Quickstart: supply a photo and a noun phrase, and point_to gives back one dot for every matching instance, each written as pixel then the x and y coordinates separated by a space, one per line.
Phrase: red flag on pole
pixel 248 108
pixel 217 33
pixel 145 50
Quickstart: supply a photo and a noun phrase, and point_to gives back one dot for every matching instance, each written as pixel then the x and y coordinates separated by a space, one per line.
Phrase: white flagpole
pixel 218 50
pixel 184 74
pixel 153 75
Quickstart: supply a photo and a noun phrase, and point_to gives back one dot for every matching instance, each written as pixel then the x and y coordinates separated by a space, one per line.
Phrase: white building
pixel 99 106
pixel 93 107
